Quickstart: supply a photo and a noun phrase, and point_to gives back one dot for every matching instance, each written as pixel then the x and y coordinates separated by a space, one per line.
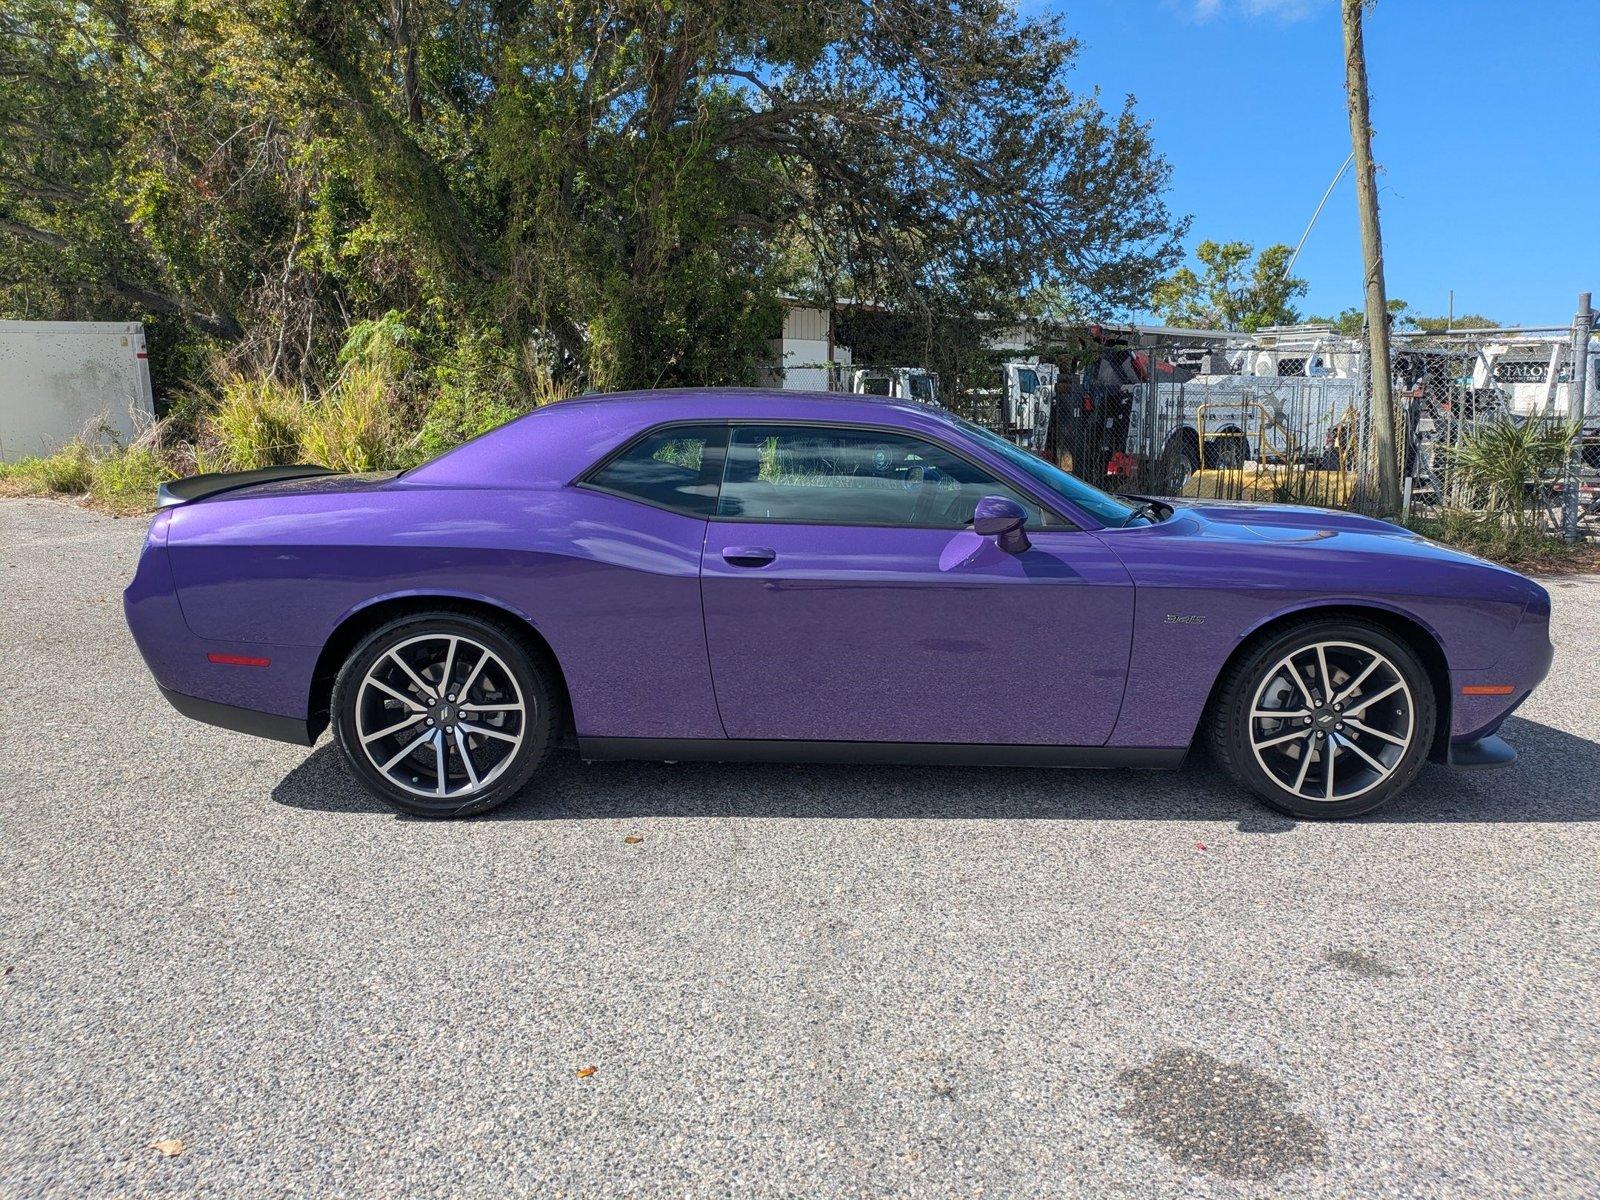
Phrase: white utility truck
pixel 60 379
pixel 903 383
pixel 1030 394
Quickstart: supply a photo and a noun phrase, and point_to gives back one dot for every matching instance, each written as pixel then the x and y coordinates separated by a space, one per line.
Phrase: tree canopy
pixel 618 193
pixel 1234 289
pixel 1351 321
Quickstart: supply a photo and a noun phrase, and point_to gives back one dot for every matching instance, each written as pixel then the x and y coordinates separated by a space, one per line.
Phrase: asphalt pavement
pixel 793 981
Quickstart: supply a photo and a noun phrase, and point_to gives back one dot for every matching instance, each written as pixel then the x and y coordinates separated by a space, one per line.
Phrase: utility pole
pixel 1355 83
pixel 1577 410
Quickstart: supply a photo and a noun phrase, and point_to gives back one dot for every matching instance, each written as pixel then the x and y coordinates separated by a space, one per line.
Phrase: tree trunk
pixel 405 45
pixel 1383 431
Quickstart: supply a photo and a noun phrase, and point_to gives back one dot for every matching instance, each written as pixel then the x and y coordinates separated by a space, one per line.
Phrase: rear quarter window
pixel 678 468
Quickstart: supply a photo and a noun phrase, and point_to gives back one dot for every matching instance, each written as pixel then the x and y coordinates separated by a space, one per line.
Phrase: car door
pixel 846 600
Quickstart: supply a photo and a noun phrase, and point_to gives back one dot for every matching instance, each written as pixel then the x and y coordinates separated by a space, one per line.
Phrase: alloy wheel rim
pixel 1331 721
pixel 440 716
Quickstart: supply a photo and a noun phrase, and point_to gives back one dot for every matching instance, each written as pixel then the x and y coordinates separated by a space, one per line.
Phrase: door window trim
pixel 1063 522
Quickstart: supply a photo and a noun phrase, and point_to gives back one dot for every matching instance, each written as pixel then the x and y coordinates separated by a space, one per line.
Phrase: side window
pixel 676 468
pixel 852 477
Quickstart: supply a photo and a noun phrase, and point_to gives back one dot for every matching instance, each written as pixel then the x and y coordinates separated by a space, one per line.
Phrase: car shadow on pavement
pixel 1556 779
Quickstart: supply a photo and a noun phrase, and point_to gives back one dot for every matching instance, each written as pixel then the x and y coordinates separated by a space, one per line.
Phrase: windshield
pixel 1104 507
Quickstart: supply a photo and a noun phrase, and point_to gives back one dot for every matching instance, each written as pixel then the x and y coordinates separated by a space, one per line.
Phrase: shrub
pixel 1490 535
pixel 454 418
pixel 1499 465
pixel 478 386
pixel 384 343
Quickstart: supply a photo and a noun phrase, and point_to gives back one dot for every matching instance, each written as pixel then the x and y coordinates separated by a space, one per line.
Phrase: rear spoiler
pixel 199 487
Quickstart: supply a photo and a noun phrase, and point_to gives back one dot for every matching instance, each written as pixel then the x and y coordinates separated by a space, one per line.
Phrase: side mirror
pixel 1002 520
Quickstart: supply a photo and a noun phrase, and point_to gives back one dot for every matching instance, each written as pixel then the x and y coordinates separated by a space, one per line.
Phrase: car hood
pixel 1291 518
pixel 1294 527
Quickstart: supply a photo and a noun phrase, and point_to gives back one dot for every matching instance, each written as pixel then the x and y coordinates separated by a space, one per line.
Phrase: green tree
pixel 615 191
pixel 1234 289
pixel 1462 321
pixel 1351 321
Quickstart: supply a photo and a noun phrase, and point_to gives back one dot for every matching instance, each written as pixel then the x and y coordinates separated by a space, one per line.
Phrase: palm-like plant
pixel 1500 465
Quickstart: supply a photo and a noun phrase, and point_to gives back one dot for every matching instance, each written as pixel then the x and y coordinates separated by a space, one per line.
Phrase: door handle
pixel 749 556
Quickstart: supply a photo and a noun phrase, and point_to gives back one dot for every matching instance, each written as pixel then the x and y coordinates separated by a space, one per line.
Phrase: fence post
pixel 1577 410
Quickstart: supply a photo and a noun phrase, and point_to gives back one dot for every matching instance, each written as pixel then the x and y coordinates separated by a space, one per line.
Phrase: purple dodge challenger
pixel 741 575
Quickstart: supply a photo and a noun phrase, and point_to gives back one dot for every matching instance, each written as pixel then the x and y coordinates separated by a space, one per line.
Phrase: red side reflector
pixel 239 660
pixel 1488 689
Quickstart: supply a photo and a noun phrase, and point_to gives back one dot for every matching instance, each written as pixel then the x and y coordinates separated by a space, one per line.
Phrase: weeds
pixel 1489 535
pixel 353 427
pixel 119 479
pixel 256 423
pixel 67 472
pixel 125 481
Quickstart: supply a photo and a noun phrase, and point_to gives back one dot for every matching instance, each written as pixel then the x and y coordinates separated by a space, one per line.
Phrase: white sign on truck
pixel 61 378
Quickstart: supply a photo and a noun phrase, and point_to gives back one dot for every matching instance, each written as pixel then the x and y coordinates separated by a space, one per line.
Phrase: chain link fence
pixel 1482 419
pixel 1488 422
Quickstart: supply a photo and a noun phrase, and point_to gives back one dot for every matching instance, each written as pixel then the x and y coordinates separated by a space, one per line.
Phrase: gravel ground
pixel 802 981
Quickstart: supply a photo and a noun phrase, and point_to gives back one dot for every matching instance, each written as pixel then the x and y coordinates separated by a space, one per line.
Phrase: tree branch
pixel 218 324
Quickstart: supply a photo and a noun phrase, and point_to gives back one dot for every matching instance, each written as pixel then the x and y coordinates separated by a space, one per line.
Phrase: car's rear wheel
pixel 443 714
pixel 1326 719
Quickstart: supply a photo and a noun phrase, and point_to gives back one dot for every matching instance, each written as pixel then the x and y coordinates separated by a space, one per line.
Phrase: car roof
pixel 720 397
pixel 554 443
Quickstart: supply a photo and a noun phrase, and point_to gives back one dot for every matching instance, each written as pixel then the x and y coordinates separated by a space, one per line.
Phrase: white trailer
pixel 59 379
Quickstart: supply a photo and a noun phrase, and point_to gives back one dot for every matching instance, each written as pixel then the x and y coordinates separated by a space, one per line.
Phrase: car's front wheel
pixel 443 714
pixel 1326 719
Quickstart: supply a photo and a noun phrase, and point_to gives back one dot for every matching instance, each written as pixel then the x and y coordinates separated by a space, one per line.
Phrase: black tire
pixel 1179 461
pixel 1231 725
pixel 512 769
pixel 1228 451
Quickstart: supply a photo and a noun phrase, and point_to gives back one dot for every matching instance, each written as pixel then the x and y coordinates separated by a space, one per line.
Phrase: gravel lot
pixel 802 981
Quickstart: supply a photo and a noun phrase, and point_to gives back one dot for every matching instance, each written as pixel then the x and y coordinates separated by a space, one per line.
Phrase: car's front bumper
pixel 1489 751
pixel 1481 700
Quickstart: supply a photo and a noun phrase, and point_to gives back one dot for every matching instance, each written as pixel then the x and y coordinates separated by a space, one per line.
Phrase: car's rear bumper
pixel 242 720
pixel 255 688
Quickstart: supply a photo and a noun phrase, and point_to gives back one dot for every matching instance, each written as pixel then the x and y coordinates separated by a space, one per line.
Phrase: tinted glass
pixel 1104 506
pixel 672 468
pixel 852 477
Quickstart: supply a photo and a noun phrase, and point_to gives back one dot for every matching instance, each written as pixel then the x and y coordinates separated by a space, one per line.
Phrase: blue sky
pixel 1487 120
